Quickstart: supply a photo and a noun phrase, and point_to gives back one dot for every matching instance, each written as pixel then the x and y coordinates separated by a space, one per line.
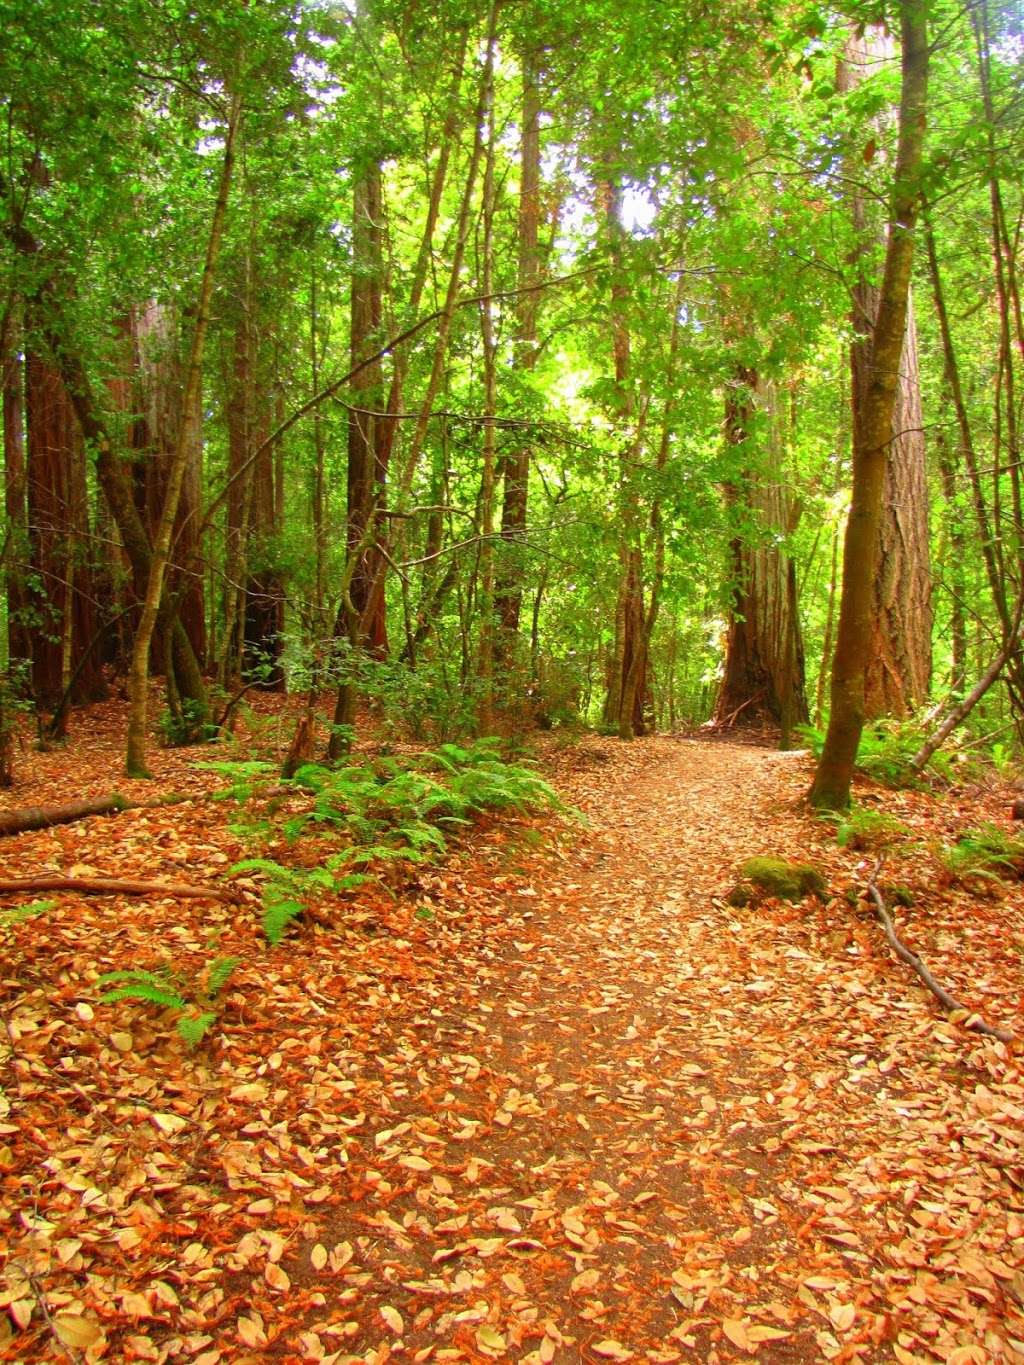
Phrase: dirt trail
pixel 569 1105
pixel 694 1132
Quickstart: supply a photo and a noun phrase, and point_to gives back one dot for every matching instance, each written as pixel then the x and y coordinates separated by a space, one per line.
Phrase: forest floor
pixel 559 1101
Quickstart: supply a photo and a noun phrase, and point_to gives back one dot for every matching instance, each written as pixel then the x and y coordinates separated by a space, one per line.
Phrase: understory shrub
pixel 863 828
pixel 886 749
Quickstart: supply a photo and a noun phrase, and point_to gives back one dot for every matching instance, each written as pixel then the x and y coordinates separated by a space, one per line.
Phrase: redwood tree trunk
pixel 763 680
pixel 516 464
pixel 64 619
pixel 873 410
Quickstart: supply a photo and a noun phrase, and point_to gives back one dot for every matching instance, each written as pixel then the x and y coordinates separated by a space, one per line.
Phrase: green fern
pixel 193 1028
pixel 19 913
pixel 218 974
pixel 985 852
pixel 155 987
pixel 161 987
pixel 862 828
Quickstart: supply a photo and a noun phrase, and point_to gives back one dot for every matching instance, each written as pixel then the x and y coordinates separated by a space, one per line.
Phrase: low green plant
pixel 17 914
pixel 886 749
pixel 286 891
pixel 864 828
pixel 985 852
pixel 390 811
pixel 189 724
pixel 194 1003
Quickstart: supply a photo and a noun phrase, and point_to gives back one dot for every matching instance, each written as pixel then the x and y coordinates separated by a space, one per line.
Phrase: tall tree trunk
pixel 873 411
pixel 264 594
pixel 51 439
pixel 898 675
pixel 763 680
pixel 19 643
pixel 188 435
pixel 485 559
pixel 516 464
pixel 160 420
pixel 365 479
pixel 62 600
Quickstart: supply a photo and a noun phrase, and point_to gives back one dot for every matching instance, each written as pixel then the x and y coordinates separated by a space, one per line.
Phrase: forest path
pixel 559 1103
pixel 690 1132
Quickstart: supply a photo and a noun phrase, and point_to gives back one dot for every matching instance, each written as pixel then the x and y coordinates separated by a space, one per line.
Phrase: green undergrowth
pixel 987 852
pixel 885 753
pixel 193 1002
pixel 381 813
pixel 863 829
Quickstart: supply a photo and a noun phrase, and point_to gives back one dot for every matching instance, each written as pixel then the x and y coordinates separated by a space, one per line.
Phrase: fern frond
pixel 219 974
pixel 194 1027
pixel 165 996
pixel 277 915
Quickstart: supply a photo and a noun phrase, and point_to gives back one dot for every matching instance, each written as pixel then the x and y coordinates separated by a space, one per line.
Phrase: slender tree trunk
pixel 485 603
pixel 873 410
pixel 19 644
pixel 263 626
pixel 898 674
pixel 138 678
pixel 516 464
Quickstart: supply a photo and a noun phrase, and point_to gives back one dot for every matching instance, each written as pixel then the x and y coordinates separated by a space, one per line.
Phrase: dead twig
pixel 948 1002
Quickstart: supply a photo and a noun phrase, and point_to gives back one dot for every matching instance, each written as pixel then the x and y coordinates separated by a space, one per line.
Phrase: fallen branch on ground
pixel 113 886
pixel 947 1001
pixel 27 818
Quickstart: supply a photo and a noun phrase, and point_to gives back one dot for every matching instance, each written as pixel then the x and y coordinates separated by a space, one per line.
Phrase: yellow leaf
pixel 164 1294
pixel 758 1333
pixel 21 1312
pixel 250 1332
pixel 586 1279
pixel 318 1256
pixel 277 1278
pixel 489 1339
pixel 842 1316
pixel 736 1330
pixel 169 1123
pixel 393 1318
pixel 612 1350
pixel 414 1163
pixel 76 1331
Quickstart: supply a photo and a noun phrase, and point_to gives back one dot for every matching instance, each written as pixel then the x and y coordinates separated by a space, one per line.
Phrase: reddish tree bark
pixel 763 680
pixel 61 597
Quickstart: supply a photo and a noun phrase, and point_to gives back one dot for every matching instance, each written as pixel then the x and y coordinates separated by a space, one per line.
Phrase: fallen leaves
pixel 585 1110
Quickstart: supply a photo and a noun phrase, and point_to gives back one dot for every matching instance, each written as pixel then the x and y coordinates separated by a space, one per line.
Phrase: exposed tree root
pixel 947 1001
pixel 113 886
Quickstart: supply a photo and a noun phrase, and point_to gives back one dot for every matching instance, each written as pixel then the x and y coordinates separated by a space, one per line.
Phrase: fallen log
pixel 114 886
pixel 947 1001
pixel 27 818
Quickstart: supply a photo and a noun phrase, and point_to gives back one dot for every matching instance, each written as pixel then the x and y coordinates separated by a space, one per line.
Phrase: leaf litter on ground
pixel 556 1101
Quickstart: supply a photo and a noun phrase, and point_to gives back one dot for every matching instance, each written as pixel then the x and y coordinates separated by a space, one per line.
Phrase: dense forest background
pixel 503 365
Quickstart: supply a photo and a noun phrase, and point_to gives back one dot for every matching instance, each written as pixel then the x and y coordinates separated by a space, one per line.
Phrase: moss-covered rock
pixel 776 877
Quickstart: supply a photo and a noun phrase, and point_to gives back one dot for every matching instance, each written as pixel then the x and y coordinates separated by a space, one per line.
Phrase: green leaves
pixel 189 1000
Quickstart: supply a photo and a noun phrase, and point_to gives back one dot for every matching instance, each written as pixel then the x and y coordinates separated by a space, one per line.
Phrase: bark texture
pixel 898 675
pixel 763 680
pixel 873 410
